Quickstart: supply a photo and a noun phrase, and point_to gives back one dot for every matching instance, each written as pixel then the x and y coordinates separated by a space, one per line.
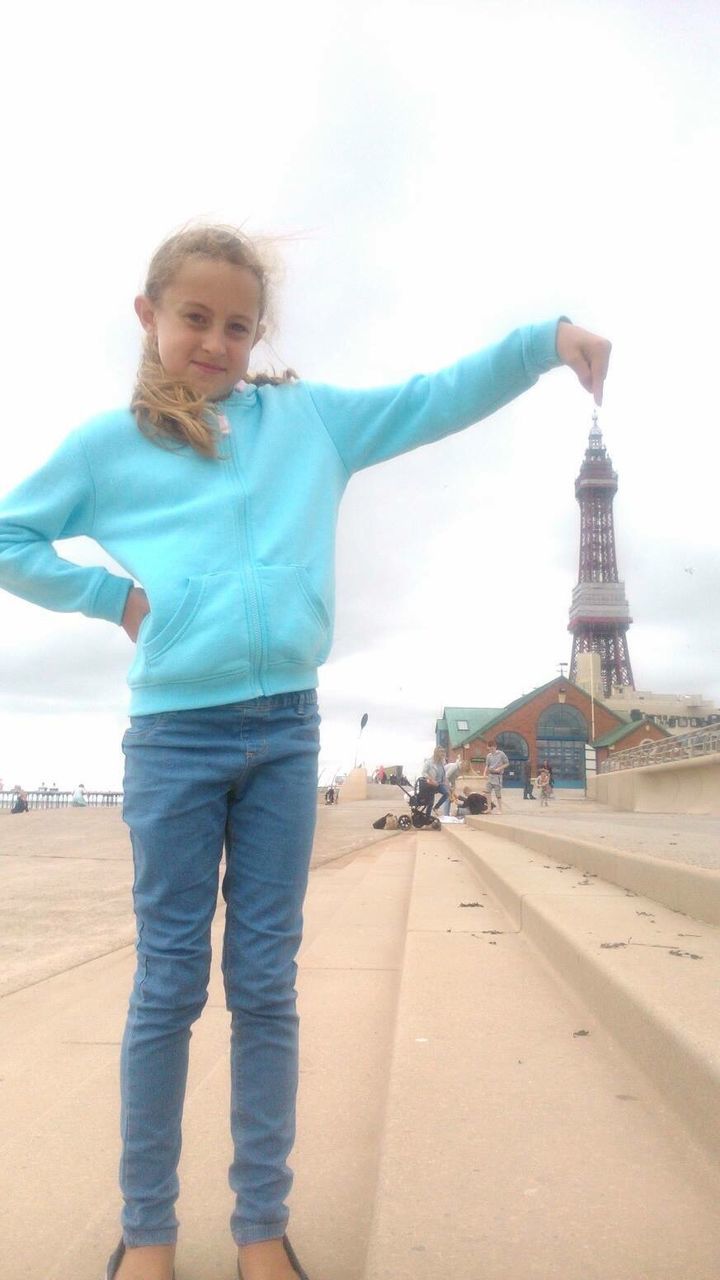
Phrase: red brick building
pixel 627 736
pixel 552 723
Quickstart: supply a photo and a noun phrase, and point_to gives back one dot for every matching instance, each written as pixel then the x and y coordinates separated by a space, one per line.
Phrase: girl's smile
pixel 205 323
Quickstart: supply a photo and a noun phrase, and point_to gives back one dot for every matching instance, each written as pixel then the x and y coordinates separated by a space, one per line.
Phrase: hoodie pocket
pixel 299 630
pixel 196 630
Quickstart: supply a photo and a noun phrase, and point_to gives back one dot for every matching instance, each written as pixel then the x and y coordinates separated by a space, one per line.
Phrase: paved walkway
pixel 675 837
pixel 66 878
pixel 462 1112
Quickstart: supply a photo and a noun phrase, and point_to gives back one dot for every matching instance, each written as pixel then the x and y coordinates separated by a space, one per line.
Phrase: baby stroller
pixel 421 803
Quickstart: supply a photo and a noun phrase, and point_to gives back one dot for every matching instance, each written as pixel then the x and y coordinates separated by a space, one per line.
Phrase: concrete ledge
pixel 693 890
pixel 649 975
pixel 514 1147
pixel 677 786
pixel 355 786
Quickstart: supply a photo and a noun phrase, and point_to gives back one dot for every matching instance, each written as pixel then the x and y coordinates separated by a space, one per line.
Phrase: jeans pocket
pixel 298 624
pixel 142 729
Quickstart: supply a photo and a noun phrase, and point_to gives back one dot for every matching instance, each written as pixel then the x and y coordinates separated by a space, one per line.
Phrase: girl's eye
pixel 239 328
pixel 195 318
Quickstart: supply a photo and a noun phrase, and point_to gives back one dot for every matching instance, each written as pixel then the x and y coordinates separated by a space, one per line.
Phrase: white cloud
pixel 443 172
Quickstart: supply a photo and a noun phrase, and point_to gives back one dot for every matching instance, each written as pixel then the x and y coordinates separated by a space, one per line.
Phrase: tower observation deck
pixel 599 613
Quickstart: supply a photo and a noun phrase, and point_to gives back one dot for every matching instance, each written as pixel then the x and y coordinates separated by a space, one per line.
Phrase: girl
pixel 543 785
pixel 217 491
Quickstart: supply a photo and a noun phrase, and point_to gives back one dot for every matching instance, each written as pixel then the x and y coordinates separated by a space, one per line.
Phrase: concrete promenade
pixel 510 1066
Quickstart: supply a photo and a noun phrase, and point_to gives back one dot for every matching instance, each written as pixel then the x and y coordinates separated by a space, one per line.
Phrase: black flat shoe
pixel 294 1262
pixel 114 1261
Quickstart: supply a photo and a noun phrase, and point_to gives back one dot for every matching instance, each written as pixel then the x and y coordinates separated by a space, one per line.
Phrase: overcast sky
pixel 437 174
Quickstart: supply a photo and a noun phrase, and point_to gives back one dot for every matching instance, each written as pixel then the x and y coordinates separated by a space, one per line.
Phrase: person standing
pixel 546 765
pixel 496 762
pixel 217 492
pixel 527 780
pixel 544 786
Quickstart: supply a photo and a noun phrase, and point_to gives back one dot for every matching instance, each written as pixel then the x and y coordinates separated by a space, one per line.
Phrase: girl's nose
pixel 214 341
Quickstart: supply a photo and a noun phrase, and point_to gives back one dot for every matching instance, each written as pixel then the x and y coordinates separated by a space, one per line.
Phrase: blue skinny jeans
pixel 243 776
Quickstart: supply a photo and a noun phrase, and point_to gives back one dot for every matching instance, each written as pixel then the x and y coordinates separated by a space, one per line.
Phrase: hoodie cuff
pixel 541 345
pixel 111 598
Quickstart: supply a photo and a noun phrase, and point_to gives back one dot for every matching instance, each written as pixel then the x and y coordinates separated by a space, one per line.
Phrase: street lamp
pixel 363 722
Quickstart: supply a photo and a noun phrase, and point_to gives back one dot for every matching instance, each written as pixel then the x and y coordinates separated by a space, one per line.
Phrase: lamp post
pixel 562 689
pixel 363 722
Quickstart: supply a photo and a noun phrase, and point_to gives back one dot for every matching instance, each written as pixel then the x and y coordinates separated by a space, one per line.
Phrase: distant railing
pixel 61 799
pixel 683 746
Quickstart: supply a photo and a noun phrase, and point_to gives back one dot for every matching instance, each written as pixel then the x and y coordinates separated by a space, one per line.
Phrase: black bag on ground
pixel 388 820
pixel 476 802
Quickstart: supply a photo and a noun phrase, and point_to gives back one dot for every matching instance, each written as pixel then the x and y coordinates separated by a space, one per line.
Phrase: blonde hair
pixel 168 409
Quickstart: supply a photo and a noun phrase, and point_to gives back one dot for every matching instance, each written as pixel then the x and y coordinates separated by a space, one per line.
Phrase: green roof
pixel 503 712
pixel 475 717
pixel 622 731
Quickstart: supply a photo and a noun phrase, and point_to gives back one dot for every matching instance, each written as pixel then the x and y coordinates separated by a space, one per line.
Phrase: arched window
pixel 516 750
pixel 514 746
pixel 562 721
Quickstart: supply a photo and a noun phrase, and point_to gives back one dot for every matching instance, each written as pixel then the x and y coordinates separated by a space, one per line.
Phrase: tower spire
pixel 599 613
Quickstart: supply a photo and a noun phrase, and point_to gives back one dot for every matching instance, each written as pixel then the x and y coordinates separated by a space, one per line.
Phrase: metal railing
pixel 683 746
pixel 61 799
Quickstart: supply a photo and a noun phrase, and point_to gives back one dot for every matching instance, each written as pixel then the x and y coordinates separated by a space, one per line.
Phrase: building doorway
pixel 561 737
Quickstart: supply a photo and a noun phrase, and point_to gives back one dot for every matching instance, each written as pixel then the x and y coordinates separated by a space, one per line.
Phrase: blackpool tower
pixel 599 613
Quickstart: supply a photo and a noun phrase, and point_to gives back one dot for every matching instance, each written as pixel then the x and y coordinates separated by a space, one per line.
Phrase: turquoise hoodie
pixel 236 553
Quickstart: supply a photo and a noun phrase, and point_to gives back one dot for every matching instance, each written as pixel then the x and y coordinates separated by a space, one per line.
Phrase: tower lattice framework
pixel 599 613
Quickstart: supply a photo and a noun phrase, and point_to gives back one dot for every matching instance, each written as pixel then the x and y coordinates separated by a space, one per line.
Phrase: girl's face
pixel 206 324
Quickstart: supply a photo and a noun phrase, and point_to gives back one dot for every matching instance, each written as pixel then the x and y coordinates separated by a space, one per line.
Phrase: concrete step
pixel 348 984
pixel 59 1090
pixel 651 973
pixel 690 889
pixel 348 973
pixel 520 1140
pixel 451 1122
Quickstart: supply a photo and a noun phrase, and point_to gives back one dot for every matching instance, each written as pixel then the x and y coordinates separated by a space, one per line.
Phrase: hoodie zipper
pixel 252 593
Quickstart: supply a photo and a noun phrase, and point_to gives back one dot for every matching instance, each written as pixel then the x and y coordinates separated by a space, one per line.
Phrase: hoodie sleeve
pixel 56 502
pixel 369 426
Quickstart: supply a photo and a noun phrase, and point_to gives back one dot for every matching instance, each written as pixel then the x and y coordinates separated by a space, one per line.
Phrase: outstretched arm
pixel 371 425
